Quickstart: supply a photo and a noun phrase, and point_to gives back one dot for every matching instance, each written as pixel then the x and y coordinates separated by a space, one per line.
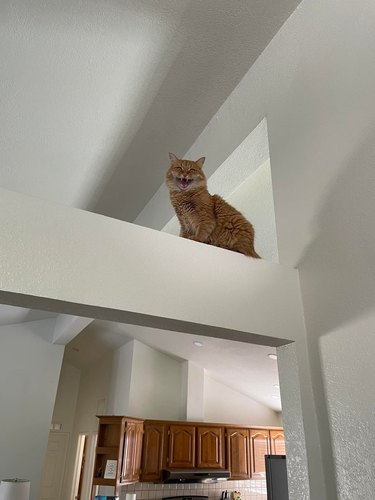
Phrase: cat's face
pixel 185 175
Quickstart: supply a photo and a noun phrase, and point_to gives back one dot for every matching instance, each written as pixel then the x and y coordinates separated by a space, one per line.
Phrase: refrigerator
pixel 276 477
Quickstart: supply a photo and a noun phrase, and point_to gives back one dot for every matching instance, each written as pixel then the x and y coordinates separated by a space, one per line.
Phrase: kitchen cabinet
pixel 259 446
pixel 196 446
pixel 277 440
pixel 210 447
pixel 264 442
pixel 238 452
pixel 181 446
pixel 187 445
pixel 154 451
pixel 119 445
pixel 132 448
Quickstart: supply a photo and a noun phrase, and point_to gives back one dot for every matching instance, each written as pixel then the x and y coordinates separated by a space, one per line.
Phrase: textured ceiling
pixel 94 94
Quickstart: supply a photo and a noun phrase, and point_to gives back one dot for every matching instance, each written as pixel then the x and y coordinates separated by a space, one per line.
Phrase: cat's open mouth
pixel 183 182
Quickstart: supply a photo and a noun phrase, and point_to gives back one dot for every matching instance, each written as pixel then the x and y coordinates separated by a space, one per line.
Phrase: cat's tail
pixel 249 251
pixel 254 255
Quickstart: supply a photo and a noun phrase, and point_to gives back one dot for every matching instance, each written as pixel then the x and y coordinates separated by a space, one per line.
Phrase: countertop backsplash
pixel 250 490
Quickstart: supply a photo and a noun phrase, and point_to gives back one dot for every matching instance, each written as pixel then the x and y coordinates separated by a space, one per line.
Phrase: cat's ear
pixel 173 157
pixel 201 161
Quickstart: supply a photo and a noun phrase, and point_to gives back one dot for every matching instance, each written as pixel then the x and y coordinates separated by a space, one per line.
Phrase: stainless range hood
pixel 195 475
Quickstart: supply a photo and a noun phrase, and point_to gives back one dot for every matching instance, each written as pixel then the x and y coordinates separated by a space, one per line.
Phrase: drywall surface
pixel 223 404
pixel 155 386
pixel 29 375
pixel 66 397
pixel 315 83
pixel 139 285
pixel 122 366
pixel 254 199
pixel 193 390
pixel 297 458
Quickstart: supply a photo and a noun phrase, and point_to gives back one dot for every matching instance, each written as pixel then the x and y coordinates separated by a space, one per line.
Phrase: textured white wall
pixel 297 458
pixel 193 387
pixel 254 198
pixel 66 396
pixel 65 51
pixel 141 282
pixel 223 404
pixel 122 366
pixel 155 384
pixel 29 375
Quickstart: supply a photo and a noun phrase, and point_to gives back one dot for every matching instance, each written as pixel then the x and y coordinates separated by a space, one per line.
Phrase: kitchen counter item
pixel 14 489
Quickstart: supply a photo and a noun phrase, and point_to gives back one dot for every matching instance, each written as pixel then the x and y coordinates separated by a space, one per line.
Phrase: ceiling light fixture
pixel 197 343
pixel 272 356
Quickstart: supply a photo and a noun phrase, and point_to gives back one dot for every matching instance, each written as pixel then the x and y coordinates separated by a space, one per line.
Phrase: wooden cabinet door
pixel 238 452
pixel 277 439
pixel 137 451
pixel 127 457
pixel 131 458
pixel 259 446
pixel 154 451
pixel 210 447
pixel 181 446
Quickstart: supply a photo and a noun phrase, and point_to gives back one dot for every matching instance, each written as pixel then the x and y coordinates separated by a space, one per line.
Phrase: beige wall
pixel 223 404
pixel 155 384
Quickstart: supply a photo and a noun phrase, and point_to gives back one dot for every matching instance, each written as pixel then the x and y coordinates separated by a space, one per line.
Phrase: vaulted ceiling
pixel 94 94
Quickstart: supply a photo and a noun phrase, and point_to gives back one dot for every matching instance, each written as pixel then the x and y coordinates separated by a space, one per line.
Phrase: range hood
pixel 195 475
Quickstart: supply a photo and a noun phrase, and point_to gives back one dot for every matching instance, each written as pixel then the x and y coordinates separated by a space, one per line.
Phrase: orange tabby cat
pixel 204 217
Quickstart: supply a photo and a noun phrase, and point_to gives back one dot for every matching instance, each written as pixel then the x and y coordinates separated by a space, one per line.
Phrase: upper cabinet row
pixel 131 450
pixel 192 445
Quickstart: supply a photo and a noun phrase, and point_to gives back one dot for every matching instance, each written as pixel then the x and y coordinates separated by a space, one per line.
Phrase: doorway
pixel 54 466
pixel 79 467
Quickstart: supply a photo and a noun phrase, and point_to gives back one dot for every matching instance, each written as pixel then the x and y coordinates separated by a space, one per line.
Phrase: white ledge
pixel 70 261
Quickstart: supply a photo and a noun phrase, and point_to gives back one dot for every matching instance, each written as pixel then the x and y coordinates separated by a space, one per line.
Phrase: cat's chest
pixel 187 211
pixel 186 207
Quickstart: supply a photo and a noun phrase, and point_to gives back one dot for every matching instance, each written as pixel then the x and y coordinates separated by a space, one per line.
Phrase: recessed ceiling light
pixel 272 356
pixel 197 343
pixel 277 386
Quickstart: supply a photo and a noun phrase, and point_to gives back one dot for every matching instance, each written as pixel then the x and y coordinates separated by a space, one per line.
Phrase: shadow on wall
pixel 338 266
pixel 337 271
